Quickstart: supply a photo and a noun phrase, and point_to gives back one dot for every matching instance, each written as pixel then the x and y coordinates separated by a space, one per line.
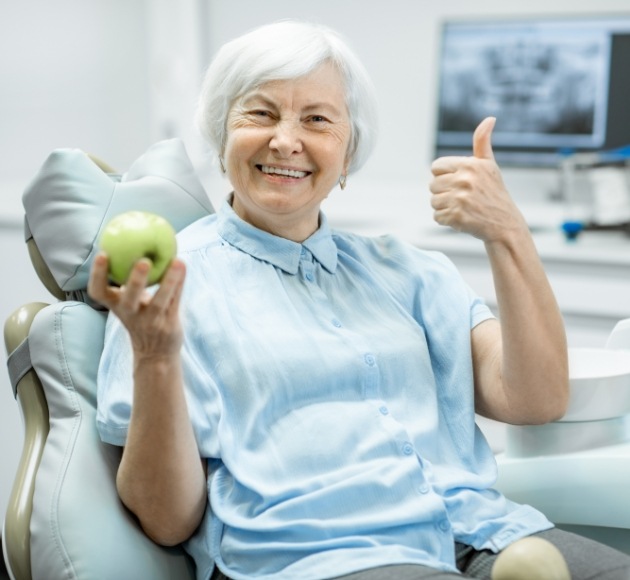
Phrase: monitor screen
pixel 555 85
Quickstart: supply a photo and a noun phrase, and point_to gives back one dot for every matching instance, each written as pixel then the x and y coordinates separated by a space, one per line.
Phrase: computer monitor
pixel 556 85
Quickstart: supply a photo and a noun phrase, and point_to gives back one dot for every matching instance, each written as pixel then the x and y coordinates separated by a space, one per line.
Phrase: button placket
pixel 407 448
pixel 372 376
pixel 444 525
pixel 307 271
pixel 306 265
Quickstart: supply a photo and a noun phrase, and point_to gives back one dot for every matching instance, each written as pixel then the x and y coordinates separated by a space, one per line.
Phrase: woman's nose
pixel 286 139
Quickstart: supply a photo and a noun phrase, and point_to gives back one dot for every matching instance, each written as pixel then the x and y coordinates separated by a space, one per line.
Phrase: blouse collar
pixel 280 252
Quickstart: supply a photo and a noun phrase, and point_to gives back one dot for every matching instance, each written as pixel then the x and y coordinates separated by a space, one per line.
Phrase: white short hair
pixel 280 51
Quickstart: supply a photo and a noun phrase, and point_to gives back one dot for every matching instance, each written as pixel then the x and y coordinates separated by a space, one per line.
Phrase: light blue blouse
pixel 330 385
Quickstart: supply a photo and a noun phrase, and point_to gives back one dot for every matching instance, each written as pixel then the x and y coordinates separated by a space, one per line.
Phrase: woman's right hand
pixel 152 319
pixel 166 491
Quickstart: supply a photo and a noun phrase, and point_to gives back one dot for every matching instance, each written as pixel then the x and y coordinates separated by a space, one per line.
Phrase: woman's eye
pixel 260 114
pixel 318 119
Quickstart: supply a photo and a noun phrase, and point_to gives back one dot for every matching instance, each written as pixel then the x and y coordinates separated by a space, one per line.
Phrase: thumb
pixel 482 139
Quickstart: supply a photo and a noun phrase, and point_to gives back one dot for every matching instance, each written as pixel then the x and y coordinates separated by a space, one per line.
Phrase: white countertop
pixel 405 211
pixel 591 248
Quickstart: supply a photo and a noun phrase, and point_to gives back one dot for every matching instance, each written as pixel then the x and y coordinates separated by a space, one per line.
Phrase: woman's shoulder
pixel 388 248
pixel 197 235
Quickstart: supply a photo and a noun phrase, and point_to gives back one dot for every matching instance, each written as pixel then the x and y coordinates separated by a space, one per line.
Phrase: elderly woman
pixel 302 407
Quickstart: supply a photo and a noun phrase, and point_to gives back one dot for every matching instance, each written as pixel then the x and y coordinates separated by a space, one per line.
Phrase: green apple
pixel 134 235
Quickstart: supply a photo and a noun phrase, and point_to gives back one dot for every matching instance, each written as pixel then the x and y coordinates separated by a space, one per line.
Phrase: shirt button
pixel 336 323
pixel 384 410
pixel 369 359
pixel 424 488
pixel 309 277
pixel 407 449
pixel 444 525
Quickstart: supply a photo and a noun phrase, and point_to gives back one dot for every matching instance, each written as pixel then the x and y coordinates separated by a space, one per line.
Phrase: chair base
pixel 583 491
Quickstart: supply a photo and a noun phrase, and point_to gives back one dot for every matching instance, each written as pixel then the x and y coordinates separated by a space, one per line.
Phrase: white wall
pixel 113 76
pixel 74 73
pixel 397 40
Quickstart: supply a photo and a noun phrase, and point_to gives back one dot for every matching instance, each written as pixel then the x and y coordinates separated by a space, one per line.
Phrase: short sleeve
pixel 479 310
pixel 114 393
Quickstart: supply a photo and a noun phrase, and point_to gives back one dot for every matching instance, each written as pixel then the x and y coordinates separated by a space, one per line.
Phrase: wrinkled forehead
pixel 324 85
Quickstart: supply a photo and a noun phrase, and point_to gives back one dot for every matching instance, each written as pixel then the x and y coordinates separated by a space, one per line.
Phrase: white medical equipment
pixel 577 470
pixel 64 518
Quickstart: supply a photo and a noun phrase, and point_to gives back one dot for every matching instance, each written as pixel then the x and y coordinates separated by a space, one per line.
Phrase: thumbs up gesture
pixel 469 194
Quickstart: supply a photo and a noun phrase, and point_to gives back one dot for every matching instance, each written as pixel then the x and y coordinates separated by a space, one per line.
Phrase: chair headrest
pixel 71 199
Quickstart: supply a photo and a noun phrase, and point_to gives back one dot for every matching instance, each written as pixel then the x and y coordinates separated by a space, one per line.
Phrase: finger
pixel 440 201
pixel 443 216
pixel 482 139
pixel 179 288
pixel 442 183
pixel 171 285
pixel 134 288
pixel 443 165
pixel 98 283
pixel 139 274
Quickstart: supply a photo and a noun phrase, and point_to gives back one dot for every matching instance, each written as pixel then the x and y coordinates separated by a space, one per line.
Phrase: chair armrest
pixel 32 402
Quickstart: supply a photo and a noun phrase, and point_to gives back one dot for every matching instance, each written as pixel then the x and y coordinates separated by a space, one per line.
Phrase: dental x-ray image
pixel 546 84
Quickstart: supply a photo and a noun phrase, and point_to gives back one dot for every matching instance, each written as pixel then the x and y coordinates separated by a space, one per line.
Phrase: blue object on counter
pixel 572 229
pixel 615 155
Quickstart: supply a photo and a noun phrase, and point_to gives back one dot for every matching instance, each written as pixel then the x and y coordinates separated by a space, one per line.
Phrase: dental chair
pixel 64 518
pixel 577 470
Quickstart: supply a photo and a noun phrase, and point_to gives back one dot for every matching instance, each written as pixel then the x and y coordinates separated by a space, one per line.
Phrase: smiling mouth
pixel 293 173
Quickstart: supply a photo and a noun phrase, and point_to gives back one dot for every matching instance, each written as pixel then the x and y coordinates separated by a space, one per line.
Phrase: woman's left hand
pixel 520 369
pixel 469 194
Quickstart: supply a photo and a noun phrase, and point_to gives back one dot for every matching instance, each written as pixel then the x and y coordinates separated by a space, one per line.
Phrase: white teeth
pixel 287 172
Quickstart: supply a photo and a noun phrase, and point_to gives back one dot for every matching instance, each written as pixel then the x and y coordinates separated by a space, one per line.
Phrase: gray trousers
pixel 587 560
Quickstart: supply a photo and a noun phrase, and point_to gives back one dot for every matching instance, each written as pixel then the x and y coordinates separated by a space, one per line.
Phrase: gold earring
pixel 342 181
pixel 221 164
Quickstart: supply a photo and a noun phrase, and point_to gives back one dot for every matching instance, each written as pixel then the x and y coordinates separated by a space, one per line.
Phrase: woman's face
pixel 286 149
